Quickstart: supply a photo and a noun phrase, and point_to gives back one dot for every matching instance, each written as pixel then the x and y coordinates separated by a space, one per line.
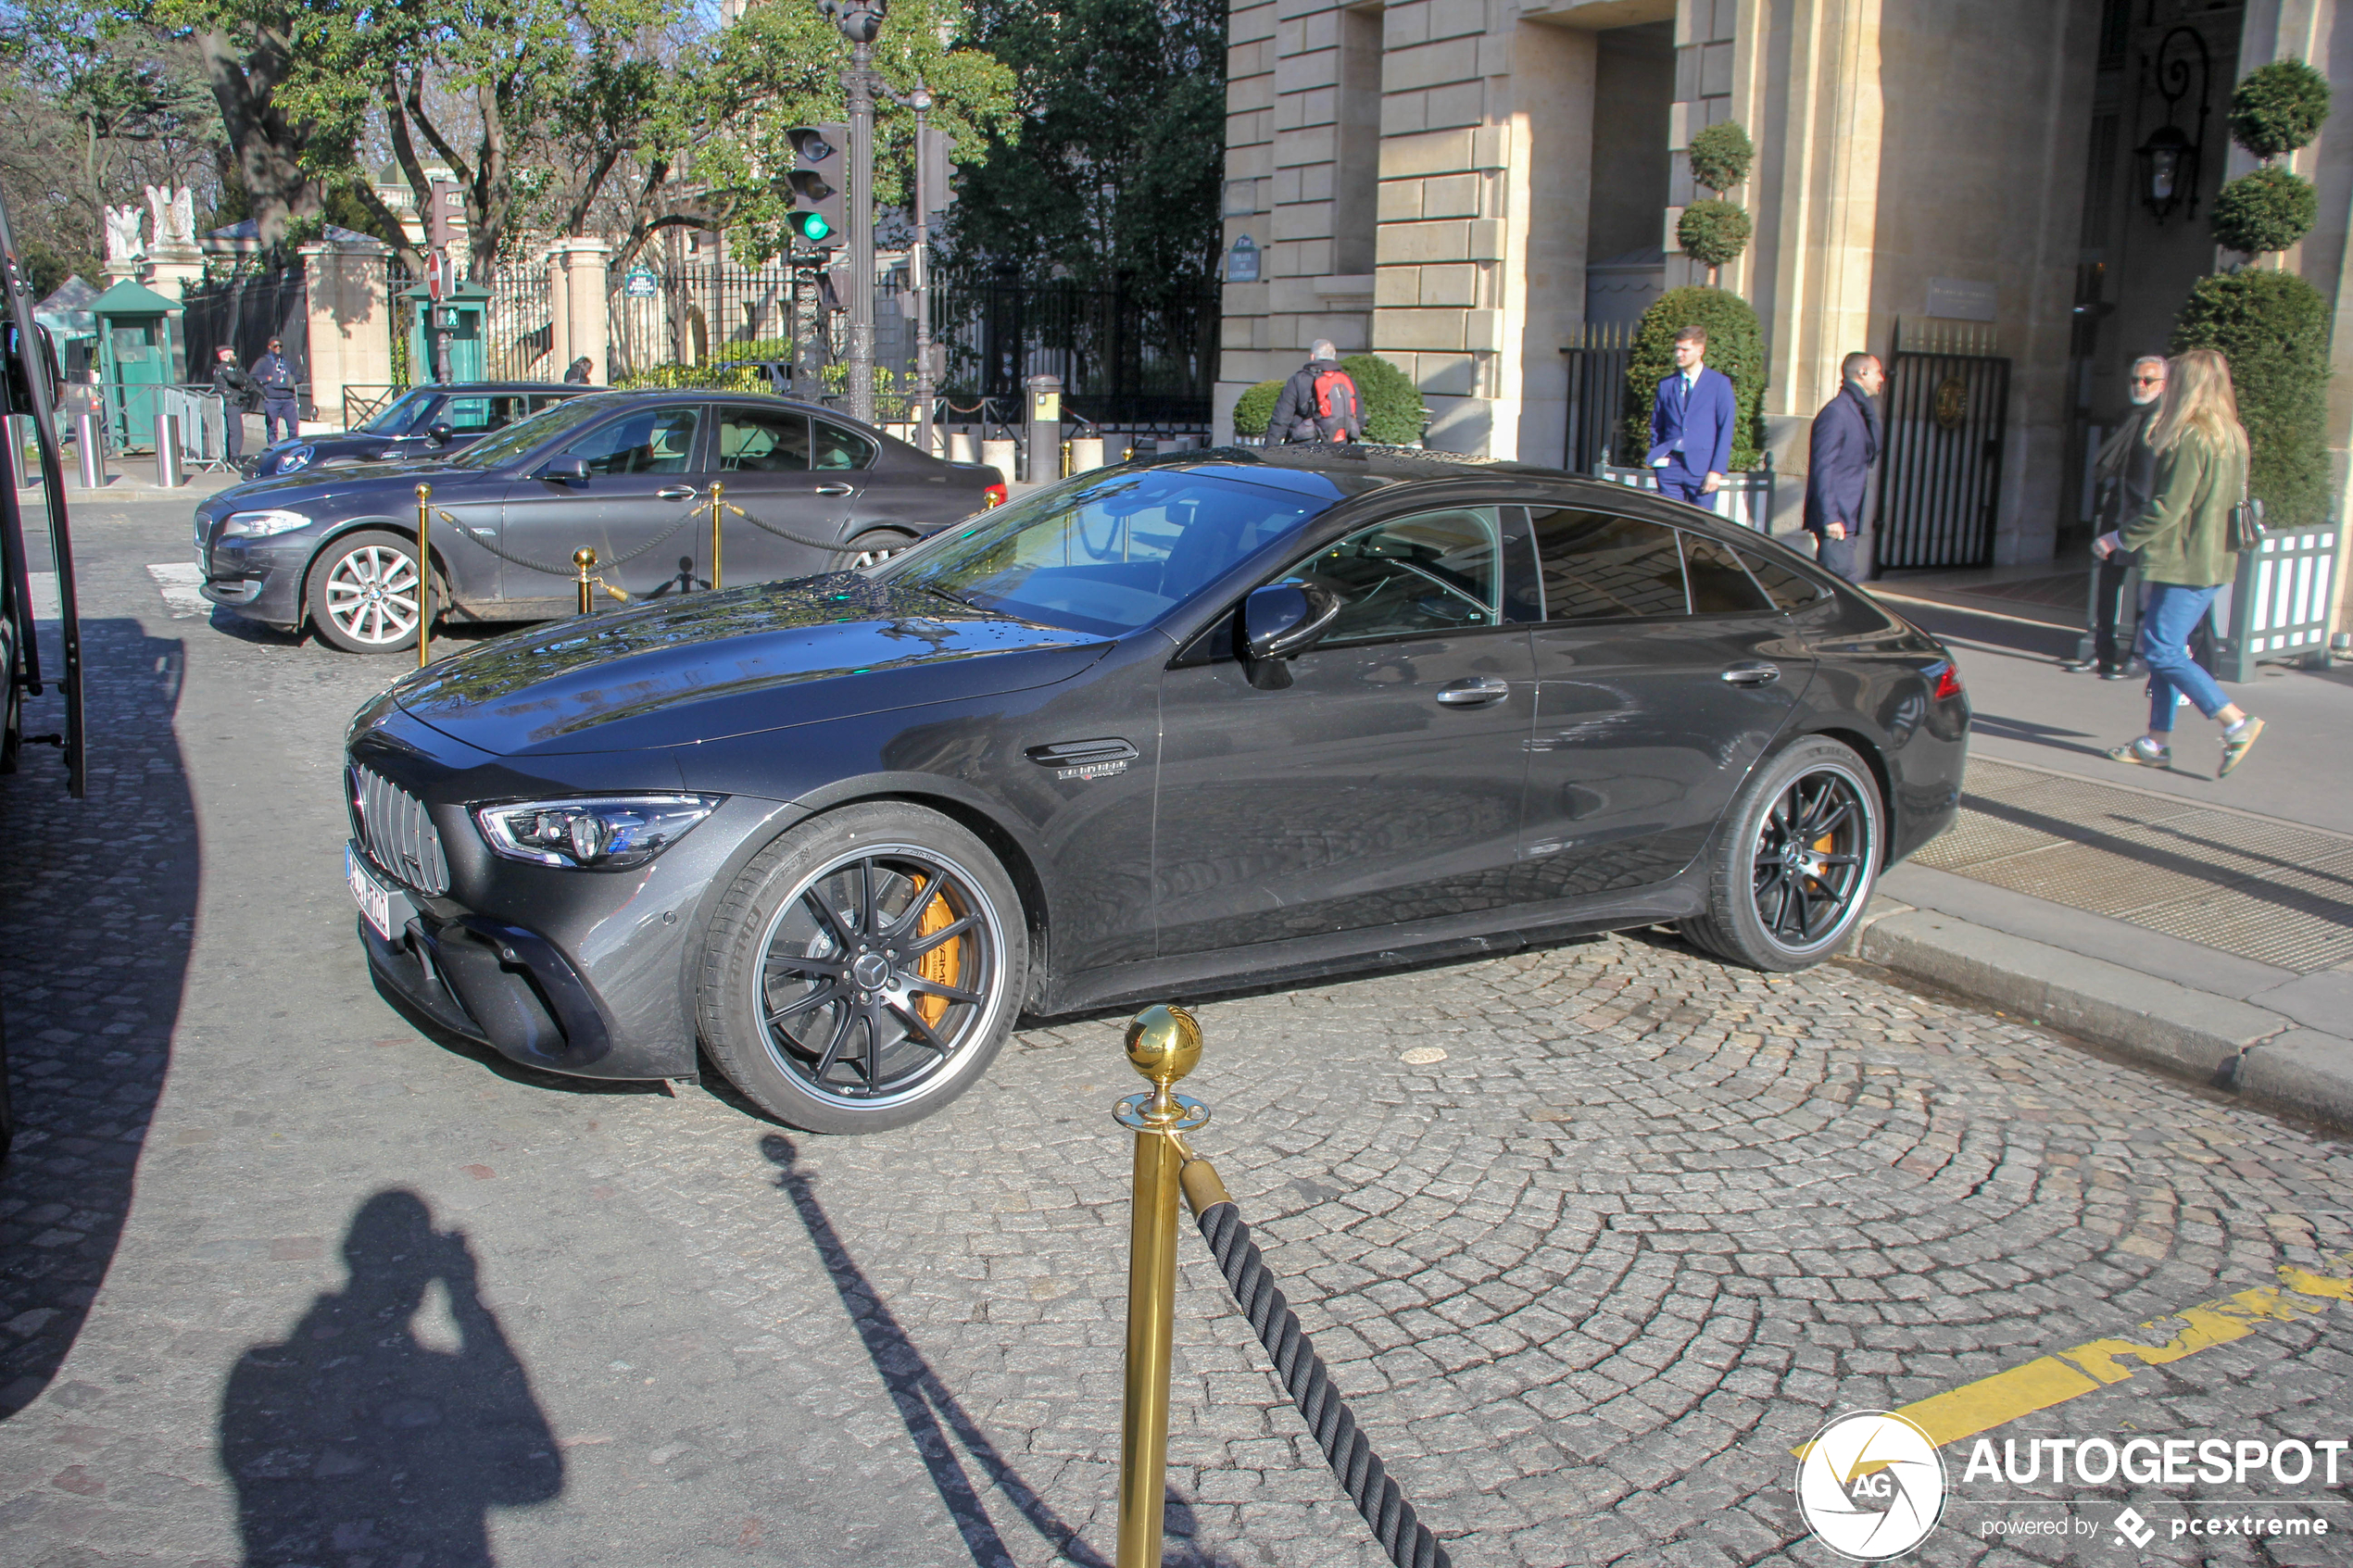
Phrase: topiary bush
pixel 2273 328
pixel 1255 408
pixel 2268 210
pixel 713 377
pixel 1712 233
pixel 1720 155
pixel 1393 411
pixel 1735 346
pixel 2278 107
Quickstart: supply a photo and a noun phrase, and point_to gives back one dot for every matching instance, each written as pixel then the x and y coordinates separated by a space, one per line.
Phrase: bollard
pixel 717 489
pixel 424 575
pixel 167 474
pixel 1164 1043
pixel 962 448
pixel 1086 454
pixel 1045 434
pixel 86 440
pixel 1005 457
pixel 585 559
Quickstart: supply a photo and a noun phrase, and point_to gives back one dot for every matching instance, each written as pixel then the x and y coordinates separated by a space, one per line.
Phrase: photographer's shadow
pixel 355 1438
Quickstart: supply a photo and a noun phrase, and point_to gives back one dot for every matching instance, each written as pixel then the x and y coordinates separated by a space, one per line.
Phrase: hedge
pixel 2273 328
pixel 1255 408
pixel 716 377
pixel 1735 346
pixel 1393 411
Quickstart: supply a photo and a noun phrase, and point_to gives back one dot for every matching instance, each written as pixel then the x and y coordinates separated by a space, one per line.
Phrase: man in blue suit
pixel 1692 422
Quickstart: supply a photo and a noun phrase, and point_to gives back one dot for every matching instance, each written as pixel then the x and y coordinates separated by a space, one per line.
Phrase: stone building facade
pixel 1462 186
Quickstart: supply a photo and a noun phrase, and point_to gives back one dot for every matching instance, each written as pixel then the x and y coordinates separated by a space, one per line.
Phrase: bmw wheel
pixel 364 594
pixel 871 549
pixel 1795 859
pixel 864 970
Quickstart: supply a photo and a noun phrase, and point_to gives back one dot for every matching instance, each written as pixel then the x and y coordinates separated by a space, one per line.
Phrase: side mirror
pixel 1280 623
pixel 439 434
pixel 566 470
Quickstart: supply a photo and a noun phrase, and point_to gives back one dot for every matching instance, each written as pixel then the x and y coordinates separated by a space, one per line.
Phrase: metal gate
pixel 1948 397
pixel 1597 362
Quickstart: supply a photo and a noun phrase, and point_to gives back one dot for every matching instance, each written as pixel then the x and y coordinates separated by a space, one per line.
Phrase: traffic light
pixel 820 215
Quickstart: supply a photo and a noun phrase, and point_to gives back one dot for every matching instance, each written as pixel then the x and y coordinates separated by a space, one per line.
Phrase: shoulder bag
pixel 2246 519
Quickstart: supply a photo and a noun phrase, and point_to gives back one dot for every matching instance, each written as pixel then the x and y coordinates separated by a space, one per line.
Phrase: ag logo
pixel 1871 1485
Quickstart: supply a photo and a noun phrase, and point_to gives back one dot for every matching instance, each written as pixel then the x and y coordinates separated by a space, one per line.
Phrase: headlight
pixel 608 834
pixel 299 458
pixel 259 525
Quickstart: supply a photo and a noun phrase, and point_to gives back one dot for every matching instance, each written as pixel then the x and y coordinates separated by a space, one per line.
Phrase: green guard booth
pixel 139 350
pixel 461 312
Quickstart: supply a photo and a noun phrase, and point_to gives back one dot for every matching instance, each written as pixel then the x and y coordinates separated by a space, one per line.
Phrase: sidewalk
pixel 2203 925
pixel 135 480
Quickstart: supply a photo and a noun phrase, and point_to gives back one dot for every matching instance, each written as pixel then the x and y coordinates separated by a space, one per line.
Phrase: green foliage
pixel 755 348
pixel 1393 411
pixel 2273 328
pixel 891 397
pixel 1712 233
pixel 717 377
pixel 1254 409
pixel 1720 155
pixel 1735 346
pixel 2278 107
pixel 2268 210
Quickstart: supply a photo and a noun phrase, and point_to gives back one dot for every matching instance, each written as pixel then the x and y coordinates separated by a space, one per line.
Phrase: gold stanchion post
pixel 717 490
pixel 424 575
pixel 584 559
pixel 1164 1043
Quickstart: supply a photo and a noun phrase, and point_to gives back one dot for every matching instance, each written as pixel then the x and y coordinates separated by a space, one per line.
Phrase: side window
pixel 428 413
pixel 1718 585
pixel 1790 590
pixel 1599 567
pixel 839 449
pixel 762 441
pixel 649 441
pixel 476 416
pixel 1432 572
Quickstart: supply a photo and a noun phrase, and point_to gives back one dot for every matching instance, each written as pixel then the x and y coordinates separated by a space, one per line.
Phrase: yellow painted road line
pixel 2055 1379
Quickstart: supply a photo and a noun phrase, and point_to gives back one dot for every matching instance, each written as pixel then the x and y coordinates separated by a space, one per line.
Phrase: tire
pixel 785 1017
pixel 1781 898
pixel 339 599
pixel 875 546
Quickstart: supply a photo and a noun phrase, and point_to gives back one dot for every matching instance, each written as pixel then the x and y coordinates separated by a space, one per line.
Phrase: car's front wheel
pixel 864 969
pixel 364 592
pixel 1793 864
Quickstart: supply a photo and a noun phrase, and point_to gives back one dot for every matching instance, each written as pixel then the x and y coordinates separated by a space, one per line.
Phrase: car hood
pixel 327 488
pixel 731 663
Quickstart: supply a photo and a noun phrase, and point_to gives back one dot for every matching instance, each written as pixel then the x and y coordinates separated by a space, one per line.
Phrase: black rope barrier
pixel 1360 1472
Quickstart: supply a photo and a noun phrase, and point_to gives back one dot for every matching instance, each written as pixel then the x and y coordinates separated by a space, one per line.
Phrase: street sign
pixel 1241 262
pixel 436 273
pixel 641 283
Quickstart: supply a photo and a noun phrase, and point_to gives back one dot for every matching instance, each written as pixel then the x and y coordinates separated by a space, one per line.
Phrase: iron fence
pixel 243 312
pixel 1946 407
pixel 1129 359
pixel 1597 363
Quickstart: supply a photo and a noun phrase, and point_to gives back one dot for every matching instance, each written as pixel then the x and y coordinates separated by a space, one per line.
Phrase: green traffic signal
pixel 812 226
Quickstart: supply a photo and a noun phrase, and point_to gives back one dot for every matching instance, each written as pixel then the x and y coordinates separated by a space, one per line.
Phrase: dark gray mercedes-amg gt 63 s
pixel 1221 718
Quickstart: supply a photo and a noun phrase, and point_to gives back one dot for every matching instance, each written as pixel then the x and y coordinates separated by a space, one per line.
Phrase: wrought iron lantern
pixel 2170 157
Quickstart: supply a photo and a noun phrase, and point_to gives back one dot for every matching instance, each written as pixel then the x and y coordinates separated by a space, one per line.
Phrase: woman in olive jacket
pixel 2184 537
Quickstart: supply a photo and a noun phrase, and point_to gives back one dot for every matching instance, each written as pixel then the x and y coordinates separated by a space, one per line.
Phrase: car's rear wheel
pixel 1794 861
pixel 872 547
pixel 864 968
pixel 364 592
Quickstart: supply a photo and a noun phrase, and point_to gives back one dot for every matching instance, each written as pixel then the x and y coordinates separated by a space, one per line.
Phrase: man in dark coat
pixel 1298 415
pixel 1692 420
pixel 238 395
pixel 277 377
pixel 579 373
pixel 2127 470
pixel 1838 466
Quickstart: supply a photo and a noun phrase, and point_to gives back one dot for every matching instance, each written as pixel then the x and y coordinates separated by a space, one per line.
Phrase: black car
pixel 1219 719
pixel 425 421
pixel 636 476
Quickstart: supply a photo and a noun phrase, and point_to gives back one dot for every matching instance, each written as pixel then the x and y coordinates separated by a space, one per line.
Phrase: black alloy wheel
pixel 864 970
pixel 1795 859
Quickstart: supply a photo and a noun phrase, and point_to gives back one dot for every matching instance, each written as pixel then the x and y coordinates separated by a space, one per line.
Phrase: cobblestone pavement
pixel 282 1282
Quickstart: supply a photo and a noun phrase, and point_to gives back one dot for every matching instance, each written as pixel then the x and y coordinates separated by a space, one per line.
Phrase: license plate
pixel 380 904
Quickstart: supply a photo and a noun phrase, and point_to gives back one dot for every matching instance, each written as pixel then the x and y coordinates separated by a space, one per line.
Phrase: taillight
pixel 1944 680
pixel 993 496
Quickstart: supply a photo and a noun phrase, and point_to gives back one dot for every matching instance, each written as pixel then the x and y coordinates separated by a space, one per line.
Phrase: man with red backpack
pixel 1319 402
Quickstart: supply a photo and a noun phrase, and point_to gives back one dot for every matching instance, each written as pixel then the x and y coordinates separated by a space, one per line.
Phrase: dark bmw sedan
pixel 635 476
pixel 425 421
pixel 1226 718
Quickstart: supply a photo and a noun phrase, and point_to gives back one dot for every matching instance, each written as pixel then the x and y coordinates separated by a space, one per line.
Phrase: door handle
pixel 1474 693
pixel 1751 674
pixel 675 492
pixel 837 490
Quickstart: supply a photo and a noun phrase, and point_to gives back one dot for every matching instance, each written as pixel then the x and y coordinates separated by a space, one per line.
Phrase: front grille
pixel 399 836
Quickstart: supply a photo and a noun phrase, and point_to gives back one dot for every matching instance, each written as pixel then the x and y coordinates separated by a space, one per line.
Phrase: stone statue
pixel 123 245
pixel 174 213
pixel 160 213
pixel 183 217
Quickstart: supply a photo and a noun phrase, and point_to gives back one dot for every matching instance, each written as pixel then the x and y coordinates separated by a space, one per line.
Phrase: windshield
pixel 505 446
pixel 403 413
pixel 1106 554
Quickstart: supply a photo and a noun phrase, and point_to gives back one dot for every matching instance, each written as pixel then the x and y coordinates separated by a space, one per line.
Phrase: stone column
pixel 577 305
pixel 350 321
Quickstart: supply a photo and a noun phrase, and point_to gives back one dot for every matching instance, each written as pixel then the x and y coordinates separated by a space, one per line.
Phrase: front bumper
pixel 259 579
pixel 508 988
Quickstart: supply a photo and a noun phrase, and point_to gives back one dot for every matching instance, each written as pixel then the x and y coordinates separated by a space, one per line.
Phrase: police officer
pixel 237 393
pixel 276 375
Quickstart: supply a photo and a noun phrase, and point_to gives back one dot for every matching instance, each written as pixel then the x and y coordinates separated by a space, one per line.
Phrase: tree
pixel 1714 232
pixel 2273 328
pixel 2275 110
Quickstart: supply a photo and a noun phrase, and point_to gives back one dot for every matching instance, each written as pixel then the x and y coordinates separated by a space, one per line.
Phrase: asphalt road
pixel 282 1282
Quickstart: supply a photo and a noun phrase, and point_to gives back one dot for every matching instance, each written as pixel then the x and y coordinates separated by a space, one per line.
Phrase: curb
pixel 2224 1044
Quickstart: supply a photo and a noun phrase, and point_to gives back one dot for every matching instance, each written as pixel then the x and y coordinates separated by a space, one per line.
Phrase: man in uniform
pixel 278 379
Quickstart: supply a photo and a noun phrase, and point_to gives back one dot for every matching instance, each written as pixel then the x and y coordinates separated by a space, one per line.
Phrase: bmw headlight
pixel 298 458
pixel 603 835
pixel 260 525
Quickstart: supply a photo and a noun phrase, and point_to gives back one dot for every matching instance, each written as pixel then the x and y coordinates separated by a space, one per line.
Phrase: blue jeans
pixel 2166 624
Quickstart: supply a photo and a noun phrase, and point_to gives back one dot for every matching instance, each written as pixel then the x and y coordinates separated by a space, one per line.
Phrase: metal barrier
pixel 2280 602
pixel 1164 1043
pixel 203 437
pixel 1745 499
pixel 362 403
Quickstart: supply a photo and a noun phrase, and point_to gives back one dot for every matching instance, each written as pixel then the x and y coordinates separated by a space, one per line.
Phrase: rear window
pixel 1790 590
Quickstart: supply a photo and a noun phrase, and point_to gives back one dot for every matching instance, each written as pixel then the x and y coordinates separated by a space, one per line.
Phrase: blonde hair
pixel 2198 397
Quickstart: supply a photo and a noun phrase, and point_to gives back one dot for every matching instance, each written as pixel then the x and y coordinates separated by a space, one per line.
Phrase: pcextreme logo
pixel 1871 1486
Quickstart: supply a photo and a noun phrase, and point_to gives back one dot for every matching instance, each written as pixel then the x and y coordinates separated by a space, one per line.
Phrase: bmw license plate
pixel 387 908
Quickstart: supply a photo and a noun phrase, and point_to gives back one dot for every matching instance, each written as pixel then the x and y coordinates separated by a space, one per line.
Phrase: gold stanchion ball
pixel 583 557
pixel 1164 1043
